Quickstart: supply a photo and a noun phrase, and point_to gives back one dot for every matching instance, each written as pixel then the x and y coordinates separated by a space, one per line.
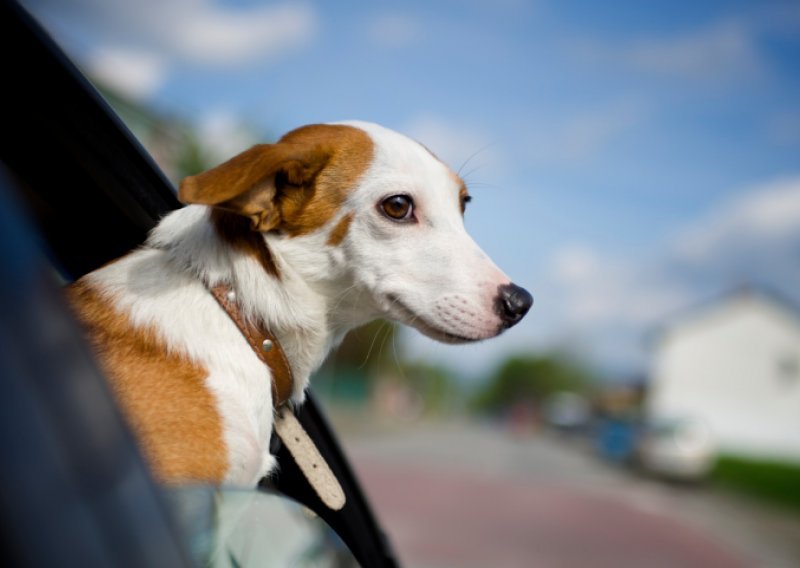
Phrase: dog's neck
pixel 310 303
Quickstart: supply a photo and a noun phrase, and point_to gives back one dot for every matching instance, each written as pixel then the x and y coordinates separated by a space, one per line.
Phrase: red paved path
pixel 443 519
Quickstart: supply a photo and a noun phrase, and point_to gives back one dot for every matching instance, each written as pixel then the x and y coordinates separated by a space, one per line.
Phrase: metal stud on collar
pixel 266 345
pixel 231 296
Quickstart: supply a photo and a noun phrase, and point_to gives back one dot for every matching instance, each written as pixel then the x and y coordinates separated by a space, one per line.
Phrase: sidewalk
pixel 462 495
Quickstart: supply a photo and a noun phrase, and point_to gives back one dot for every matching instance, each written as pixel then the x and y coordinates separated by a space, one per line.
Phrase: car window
pixel 239 528
pixel 95 200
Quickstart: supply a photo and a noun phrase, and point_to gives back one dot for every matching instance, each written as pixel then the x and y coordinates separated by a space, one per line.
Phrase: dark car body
pixel 77 190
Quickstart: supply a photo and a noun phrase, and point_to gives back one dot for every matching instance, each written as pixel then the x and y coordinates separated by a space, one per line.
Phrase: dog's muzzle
pixel 512 303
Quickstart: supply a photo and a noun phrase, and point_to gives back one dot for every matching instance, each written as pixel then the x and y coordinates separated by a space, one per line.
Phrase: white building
pixel 733 368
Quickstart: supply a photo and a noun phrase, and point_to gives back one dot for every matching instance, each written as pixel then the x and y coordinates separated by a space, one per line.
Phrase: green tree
pixel 374 348
pixel 366 353
pixel 190 157
pixel 526 378
pixel 435 385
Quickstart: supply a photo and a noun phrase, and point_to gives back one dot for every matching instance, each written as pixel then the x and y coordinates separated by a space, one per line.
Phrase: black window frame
pixel 93 193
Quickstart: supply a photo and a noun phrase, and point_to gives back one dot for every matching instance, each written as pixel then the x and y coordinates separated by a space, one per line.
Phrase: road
pixel 462 495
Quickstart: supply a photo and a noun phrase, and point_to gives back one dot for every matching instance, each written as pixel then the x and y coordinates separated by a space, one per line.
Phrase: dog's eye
pixel 398 207
pixel 464 200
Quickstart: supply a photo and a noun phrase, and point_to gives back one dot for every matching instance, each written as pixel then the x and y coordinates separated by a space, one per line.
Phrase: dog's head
pixel 386 214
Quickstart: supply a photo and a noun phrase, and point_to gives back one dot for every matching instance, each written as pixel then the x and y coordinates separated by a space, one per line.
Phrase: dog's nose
pixel 512 303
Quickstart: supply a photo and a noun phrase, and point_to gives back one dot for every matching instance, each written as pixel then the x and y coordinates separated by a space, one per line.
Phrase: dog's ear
pixel 252 183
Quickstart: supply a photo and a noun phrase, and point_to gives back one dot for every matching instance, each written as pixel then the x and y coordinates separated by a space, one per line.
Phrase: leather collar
pixel 264 344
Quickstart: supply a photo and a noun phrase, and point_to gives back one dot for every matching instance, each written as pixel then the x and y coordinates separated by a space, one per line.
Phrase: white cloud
pixel 583 135
pixel 611 302
pixel 394 30
pixel 461 147
pixel 220 36
pixel 224 135
pixel 723 50
pixel 764 215
pixel 152 36
pixel 783 127
pixel 137 74
pixel 781 19
pixel 604 290
pixel 575 263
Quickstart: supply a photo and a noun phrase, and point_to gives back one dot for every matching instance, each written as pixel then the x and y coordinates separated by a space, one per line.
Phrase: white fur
pixel 430 275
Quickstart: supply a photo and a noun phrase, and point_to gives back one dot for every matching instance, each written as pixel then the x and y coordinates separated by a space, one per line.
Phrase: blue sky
pixel 628 159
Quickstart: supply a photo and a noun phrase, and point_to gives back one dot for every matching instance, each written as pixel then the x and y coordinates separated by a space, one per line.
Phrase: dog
pixel 331 227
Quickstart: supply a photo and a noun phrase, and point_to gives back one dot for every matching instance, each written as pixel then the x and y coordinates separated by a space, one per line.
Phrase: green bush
pixel 773 481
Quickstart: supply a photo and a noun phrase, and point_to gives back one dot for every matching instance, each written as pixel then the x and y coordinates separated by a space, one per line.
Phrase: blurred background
pixel 635 165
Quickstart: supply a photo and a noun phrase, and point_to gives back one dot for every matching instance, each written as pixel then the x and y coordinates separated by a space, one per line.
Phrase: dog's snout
pixel 512 303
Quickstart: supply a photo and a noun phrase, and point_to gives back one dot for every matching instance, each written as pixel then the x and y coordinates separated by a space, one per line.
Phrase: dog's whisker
pixel 400 369
pixel 343 296
pixel 473 155
pixel 472 172
pixel 371 345
pixel 383 342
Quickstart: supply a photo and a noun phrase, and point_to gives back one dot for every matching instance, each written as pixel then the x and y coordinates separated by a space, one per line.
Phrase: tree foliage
pixel 435 385
pixel 372 348
pixel 367 353
pixel 529 379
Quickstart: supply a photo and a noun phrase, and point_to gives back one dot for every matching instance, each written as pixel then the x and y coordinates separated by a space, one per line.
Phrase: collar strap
pixel 264 344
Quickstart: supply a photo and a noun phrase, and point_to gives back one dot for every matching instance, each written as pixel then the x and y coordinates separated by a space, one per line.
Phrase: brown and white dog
pixel 333 226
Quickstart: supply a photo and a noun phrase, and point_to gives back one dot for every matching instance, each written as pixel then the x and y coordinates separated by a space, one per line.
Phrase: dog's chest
pixel 189 321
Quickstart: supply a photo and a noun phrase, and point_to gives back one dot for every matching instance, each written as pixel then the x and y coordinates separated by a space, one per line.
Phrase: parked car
pixel 679 448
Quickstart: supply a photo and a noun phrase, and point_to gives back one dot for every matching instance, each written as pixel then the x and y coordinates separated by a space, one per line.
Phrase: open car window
pixel 236 528
pixel 92 193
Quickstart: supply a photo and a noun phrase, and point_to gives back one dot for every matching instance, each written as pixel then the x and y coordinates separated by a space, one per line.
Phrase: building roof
pixel 704 308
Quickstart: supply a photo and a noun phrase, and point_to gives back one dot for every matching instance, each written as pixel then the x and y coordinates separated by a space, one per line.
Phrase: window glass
pixel 238 528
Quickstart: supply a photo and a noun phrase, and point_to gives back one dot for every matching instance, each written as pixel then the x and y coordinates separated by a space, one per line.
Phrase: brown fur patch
pixel 236 231
pixel 295 186
pixel 347 152
pixel 339 232
pixel 162 394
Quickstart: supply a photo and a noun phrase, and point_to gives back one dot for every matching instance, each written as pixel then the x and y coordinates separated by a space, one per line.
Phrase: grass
pixel 772 481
